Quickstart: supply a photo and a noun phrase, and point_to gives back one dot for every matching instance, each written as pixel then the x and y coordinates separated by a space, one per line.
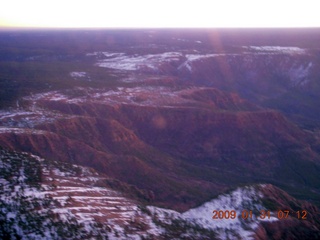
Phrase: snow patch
pixel 197 57
pixel 125 62
pixel 299 74
pixel 27 119
pixel 246 198
pixel 276 49
pixel 87 205
pixel 78 74
pixel 20 130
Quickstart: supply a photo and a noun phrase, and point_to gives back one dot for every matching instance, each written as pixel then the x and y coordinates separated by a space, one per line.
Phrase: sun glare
pixel 154 14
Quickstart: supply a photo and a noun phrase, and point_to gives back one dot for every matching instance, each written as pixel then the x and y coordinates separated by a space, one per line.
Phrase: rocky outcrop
pixel 297 219
pixel 177 145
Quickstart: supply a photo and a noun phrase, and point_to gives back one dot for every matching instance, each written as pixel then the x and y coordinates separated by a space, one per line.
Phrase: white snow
pixel 246 198
pixel 20 130
pixel 52 95
pixel 151 62
pixel 269 219
pixel 277 49
pixel 78 74
pixel 144 96
pixel 164 215
pixel 197 57
pixel 125 62
pixel 299 74
pixel 12 114
pixel 27 119
pixel 81 200
pixel 110 55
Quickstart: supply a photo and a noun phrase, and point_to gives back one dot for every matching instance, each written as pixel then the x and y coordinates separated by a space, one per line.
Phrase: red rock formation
pixel 181 150
pixel 292 226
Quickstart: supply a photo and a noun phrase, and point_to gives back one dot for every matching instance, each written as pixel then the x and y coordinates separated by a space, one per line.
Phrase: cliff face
pixel 293 226
pixel 282 78
pixel 178 144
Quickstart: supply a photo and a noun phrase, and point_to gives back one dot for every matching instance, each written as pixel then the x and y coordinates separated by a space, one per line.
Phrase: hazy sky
pixel 159 13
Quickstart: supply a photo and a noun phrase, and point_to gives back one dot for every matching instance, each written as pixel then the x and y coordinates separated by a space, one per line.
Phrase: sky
pixel 159 13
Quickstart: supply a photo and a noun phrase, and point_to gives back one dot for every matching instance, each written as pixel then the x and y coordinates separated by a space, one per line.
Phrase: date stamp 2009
pixel 262 215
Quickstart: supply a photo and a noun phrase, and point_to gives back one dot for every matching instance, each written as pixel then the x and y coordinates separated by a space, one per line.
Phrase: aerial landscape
pixel 160 134
pixel 159 120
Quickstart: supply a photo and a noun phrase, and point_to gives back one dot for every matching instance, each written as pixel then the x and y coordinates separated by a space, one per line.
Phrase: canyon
pixel 172 122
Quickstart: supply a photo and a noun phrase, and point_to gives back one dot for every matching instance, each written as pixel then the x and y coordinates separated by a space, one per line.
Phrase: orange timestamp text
pixel 263 214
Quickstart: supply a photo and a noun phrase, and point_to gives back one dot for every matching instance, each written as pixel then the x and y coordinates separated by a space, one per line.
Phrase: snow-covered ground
pixel 27 118
pixel 242 201
pixel 74 195
pixel 143 96
pixel 153 62
pixel 121 61
pixel 19 130
pixel 276 49
pixel 38 109
pixel 190 58
pixel 157 96
pixel 71 194
pixel 78 74
pixel 24 121
pixel 299 74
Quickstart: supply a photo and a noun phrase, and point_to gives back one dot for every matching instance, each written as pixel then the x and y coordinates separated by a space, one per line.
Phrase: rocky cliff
pixel 153 137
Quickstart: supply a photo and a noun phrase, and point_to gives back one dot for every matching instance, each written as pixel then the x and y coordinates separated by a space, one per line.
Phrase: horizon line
pixel 154 28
